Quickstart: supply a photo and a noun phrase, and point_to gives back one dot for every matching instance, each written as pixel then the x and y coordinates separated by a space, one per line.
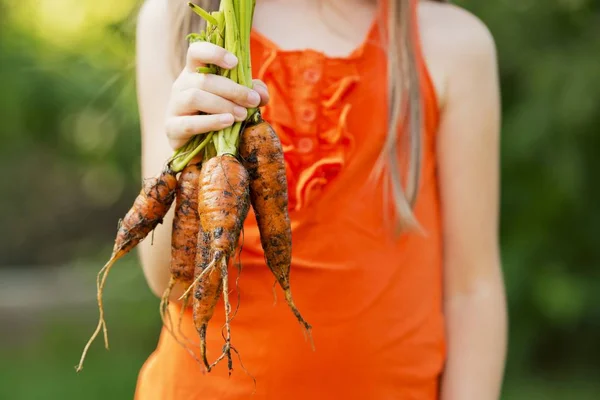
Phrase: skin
pixel 466 74
pixel 461 57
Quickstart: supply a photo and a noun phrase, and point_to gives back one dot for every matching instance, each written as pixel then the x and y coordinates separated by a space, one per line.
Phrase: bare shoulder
pixel 454 42
pixel 454 28
pixel 152 46
pixel 152 21
pixel 154 82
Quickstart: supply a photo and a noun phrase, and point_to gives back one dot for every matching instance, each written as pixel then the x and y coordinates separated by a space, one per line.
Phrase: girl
pixel 389 116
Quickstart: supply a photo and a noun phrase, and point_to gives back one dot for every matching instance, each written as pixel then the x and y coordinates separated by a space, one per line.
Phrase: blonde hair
pixel 403 84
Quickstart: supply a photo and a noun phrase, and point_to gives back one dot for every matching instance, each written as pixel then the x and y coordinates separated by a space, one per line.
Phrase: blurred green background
pixel 69 133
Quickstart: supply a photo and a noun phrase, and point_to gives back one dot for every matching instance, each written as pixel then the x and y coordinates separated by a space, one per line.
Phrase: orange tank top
pixel 374 301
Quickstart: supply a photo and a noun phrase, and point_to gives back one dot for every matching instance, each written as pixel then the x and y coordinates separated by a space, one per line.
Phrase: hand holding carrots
pixel 220 100
pixel 228 159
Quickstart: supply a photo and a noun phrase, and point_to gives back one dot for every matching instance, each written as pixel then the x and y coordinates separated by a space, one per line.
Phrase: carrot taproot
pixel 148 210
pixel 186 225
pixel 184 238
pixel 223 203
pixel 262 155
pixel 207 292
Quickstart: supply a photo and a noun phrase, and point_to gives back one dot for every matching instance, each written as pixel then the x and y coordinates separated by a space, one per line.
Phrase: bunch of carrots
pixel 241 165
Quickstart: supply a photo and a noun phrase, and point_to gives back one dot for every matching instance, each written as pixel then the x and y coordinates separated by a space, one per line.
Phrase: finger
pixel 202 53
pixel 262 90
pixel 224 87
pixel 181 129
pixel 190 101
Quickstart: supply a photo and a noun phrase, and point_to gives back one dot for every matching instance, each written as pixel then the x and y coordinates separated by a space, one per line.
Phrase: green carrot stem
pixel 206 70
pixel 220 28
pixel 196 37
pixel 230 27
pixel 203 13
pixel 245 18
pixel 178 164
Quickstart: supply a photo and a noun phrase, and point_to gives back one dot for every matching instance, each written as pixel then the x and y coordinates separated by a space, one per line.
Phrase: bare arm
pixel 169 108
pixel 154 81
pixel 468 160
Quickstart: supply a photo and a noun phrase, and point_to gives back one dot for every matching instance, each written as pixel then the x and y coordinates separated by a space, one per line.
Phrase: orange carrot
pixel 184 238
pixel 185 225
pixel 206 295
pixel 148 210
pixel 223 205
pixel 262 155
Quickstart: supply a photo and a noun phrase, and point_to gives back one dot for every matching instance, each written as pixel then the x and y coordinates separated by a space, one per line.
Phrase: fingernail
pixel 226 119
pixel 253 98
pixel 240 112
pixel 259 83
pixel 230 60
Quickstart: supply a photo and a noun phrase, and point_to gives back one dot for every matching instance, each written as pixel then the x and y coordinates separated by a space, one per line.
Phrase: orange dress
pixel 374 301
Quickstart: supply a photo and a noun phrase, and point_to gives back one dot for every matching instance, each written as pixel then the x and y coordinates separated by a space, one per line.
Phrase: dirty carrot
pixel 185 225
pixel 207 292
pixel 262 155
pixel 148 210
pixel 223 203
pixel 184 238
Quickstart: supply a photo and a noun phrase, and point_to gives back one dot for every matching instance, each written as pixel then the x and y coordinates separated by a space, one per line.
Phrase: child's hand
pixel 220 100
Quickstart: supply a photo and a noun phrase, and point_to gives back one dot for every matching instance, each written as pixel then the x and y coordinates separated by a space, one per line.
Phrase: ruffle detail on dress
pixel 313 129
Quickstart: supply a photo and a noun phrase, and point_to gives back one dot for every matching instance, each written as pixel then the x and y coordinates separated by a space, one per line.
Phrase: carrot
pixel 148 210
pixel 184 237
pixel 223 203
pixel 206 295
pixel 185 225
pixel 262 155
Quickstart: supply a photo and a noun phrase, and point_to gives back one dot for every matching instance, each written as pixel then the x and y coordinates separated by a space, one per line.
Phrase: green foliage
pixel 549 54
pixel 69 137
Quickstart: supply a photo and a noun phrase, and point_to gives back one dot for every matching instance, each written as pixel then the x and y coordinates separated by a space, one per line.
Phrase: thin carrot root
pixel 79 367
pixel 100 282
pixel 227 346
pixel 207 293
pixel 244 368
pixel 202 334
pixel 100 278
pixel 148 210
pixel 184 305
pixel 165 315
pixel 274 288
pixel 307 327
pixel 206 270
pixel 237 287
pixel 164 306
